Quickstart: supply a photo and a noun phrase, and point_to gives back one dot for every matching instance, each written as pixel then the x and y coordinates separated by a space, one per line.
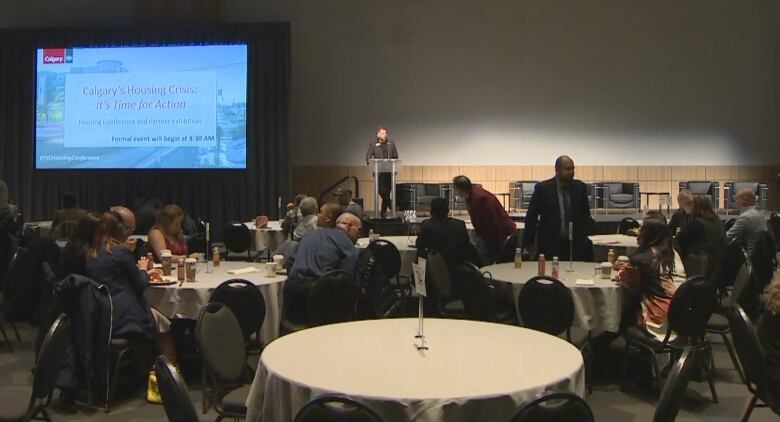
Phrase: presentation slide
pixel 171 107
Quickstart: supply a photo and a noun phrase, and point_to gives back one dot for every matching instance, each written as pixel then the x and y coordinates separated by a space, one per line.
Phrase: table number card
pixel 418 270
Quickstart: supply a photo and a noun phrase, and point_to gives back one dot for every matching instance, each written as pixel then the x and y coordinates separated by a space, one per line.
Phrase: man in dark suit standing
pixel 556 203
pixel 383 148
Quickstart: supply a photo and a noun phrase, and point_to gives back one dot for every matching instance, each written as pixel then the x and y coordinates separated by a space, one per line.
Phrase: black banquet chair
pixel 221 344
pixel 335 409
pixel 20 405
pixel 689 312
pixel 555 406
pixel 676 384
pixel 247 303
pixel 753 361
pixel 546 305
pixel 173 390
pixel 238 239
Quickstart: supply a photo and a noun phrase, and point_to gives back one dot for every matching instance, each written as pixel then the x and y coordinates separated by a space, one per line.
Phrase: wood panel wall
pixel 313 180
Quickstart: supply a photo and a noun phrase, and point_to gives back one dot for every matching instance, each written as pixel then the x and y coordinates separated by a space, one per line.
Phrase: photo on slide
pixel 167 107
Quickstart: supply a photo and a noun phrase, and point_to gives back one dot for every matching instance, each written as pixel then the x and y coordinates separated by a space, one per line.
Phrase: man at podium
pixel 383 148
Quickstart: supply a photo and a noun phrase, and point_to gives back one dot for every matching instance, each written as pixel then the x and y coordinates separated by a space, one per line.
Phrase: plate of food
pixel 158 280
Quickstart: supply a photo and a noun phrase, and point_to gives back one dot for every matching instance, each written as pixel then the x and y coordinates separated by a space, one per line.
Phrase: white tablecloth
pixel 268 238
pixel 474 371
pixel 405 245
pixel 597 307
pixel 187 300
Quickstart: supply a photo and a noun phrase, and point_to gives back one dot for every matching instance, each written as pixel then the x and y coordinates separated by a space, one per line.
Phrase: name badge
pixel 377 144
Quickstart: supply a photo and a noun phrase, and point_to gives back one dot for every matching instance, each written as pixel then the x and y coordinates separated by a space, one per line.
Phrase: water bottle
pixel 542 264
pixel 518 258
pixel 611 256
pixel 555 267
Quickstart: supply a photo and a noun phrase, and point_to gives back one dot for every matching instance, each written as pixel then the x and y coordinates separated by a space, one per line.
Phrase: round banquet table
pixel 472 371
pixel 405 245
pixel 186 301
pixel 267 238
pixel 597 307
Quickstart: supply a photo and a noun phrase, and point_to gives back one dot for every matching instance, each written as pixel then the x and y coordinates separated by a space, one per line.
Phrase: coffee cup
pixel 270 269
pixel 606 270
pixel 191 267
pixel 166 258
pixel 278 261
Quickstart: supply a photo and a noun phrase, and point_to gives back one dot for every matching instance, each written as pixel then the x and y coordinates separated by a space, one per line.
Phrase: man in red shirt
pixel 491 221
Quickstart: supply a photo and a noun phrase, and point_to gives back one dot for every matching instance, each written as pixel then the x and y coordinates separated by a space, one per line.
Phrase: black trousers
pixel 385 187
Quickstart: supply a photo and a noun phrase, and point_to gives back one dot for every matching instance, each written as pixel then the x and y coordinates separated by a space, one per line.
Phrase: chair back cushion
pixel 546 305
pixel 237 238
pixel 700 188
pixel 221 342
pixel 245 300
pixel 691 307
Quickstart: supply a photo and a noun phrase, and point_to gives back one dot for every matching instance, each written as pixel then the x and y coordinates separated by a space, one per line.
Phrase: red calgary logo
pixel 57 55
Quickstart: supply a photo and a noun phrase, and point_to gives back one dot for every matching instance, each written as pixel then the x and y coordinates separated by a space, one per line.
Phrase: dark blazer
pixel 87 359
pixel 448 236
pixel 543 221
pixel 375 150
pixel 118 271
pixel 705 236
pixel 678 221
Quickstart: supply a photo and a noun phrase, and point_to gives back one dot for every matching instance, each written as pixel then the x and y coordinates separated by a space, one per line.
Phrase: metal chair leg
pixel 749 408
pixel 733 355
pixel 709 372
pixel 5 338
pixel 18 337
pixel 114 380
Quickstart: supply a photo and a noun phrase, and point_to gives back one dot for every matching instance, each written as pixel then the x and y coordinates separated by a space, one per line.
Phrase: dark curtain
pixel 214 195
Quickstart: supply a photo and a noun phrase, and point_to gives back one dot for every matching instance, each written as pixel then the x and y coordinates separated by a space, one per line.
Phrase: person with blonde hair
pixel 167 233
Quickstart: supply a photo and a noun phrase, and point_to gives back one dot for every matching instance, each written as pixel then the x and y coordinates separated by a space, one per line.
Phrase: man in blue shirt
pixel 319 252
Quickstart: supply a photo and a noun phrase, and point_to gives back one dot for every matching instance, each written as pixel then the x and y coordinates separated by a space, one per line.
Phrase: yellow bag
pixel 152 390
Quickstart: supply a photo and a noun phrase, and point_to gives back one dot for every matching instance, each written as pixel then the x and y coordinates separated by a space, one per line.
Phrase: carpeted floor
pixel 607 401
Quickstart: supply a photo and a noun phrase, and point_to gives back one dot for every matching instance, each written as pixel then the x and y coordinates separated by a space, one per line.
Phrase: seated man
pixel 344 196
pixel 319 252
pixel 749 224
pixel 308 219
pixel 444 234
pixel 328 213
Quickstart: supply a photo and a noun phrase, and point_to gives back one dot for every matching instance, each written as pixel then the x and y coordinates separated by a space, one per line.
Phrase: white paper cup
pixel 278 261
pixel 270 269
pixel 606 270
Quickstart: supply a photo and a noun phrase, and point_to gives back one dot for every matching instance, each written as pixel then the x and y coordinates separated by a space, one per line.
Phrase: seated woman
pixel 167 233
pixel 110 262
pixel 703 234
pixel 73 259
pixel 653 270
